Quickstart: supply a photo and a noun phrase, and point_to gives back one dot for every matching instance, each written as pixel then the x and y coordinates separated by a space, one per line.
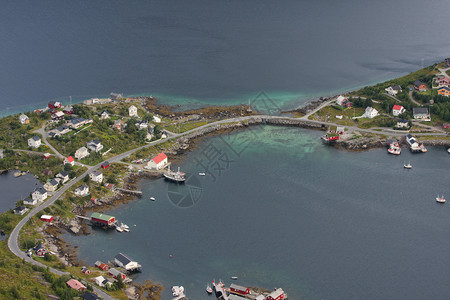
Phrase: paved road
pixel 44 139
pixel 412 99
pixel 13 238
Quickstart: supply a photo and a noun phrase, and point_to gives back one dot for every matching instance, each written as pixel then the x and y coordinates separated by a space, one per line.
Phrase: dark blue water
pixel 288 211
pixel 14 189
pixel 220 52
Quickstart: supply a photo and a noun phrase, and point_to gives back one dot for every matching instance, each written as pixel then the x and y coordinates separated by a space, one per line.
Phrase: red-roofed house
pixel 398 110
pixel 101 266
pixel 69 160
pixel 158 162
pixel 76 285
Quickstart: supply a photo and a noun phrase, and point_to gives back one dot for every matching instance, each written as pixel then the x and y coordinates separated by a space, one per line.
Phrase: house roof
pixel 90 296
pixel 62 174
pixel 75 284
pixel 102 217
pixel 94 142
pixel 397 107
pixel 275 294
pixel 418 83
pixel 41 190
pixel 20 208
pixel 96 173
pixel 236 297
pixel 23 116
pixel 397 87
pixel 237 287
pixel 159 158
pixel 53 182
pixel 36 138
pixel 444 88
pixel 115 272
pixel 68 108
pixel 70 159
pixel 402 121
pixel 104 112
pixel 82 149
pixel 83 187
pixel 420 110
pixel 123 259
pixel 38 247
pixel 106 163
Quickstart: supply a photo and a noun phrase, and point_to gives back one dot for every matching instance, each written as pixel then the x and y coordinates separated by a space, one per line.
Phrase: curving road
pixel 14 236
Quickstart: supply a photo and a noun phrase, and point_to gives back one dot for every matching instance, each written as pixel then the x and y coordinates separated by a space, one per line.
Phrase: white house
pixel 398 110
pixel 340 100
pixel 421 113
pixel 393 90
pixel 81 153
pixel 370 112
pixel 30 201
pixel 104 115
pixel 143 124
pixel 125 262
pixel 158 162
pixel 156 119
pixel 39 194
pixel 63 176
pixel 82 190
pixel 402 124
pixel 95 145
pixel 23 119
pixel 34 142
pixel 20 210
pixel 51 185
pixel 102 281
pixel 69 160
pixel 132 111
pixel 96 176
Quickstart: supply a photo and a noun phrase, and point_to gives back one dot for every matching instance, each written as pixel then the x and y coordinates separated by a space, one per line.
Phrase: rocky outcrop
pixel 362 143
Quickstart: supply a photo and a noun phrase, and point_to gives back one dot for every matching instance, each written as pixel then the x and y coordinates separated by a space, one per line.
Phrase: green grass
pixel 183 127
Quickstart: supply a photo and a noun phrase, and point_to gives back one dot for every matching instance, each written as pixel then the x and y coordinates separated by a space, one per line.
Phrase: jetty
pixel 130 192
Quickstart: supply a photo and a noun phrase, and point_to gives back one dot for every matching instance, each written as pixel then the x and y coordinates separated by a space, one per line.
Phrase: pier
pixel 130 192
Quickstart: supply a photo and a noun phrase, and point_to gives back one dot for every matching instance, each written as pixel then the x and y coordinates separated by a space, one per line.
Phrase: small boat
pixel 209 289
pixel 448 150
pixel 178 292
pixel 201 174
pixel 440 199
pixel 126 230
pixel 119 229
pixel 152 198
pixel 407 166
pixel 234 277
pixel 175 176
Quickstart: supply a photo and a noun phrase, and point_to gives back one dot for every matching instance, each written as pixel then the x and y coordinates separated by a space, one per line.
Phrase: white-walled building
pixel 34 142
pixel 82 190
pixel 370 112
pixel 39 194
pixel 95 145
pixel 81 153
pixel 23 119
pixel 158 162
pixel 96 176
pixel 132 111
pixel 398 110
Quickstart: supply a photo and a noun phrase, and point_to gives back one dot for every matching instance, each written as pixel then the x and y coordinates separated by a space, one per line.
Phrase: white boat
pixel 152 198
pixel 202 174
pixel 125 226
pixel 440 199
pixel 407 166
pixel 209 289
pixel 448 150
pixel 234 277
pixel 394 150
pixel 119 229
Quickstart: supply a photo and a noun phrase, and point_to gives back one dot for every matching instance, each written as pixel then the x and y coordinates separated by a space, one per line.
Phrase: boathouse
pixel 125 262
pixel 116 274
pixel 238 289
pixel 278 294
pixel 158 162
pixel 101 266
pixel 102 219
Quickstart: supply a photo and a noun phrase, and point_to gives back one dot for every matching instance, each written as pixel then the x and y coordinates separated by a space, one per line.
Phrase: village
pixel 84 152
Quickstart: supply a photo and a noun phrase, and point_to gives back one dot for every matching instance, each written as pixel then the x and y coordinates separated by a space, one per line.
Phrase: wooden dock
pixel 130 192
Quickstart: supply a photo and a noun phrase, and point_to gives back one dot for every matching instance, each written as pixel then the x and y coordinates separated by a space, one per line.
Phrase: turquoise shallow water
pixel 279 208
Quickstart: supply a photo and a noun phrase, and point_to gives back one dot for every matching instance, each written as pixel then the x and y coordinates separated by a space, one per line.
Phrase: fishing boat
pixel 440 199
pixel 175 176
pixel 202 174
pixel 407 166
pixel 209 289
pixel 152 198
pixel 394 150
pixel 234 277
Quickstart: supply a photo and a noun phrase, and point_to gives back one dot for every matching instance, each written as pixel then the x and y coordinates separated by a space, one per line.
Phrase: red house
pixel 54 104
pixel 278 294
pixel 446 126
pixel 68 110
pixel 102 219
pixel 85 270
pixel 101 266
pixel 242 290
pixel 46 218
pixel 46 155
pixel 105 165
pixel 40 250
pixel 116 274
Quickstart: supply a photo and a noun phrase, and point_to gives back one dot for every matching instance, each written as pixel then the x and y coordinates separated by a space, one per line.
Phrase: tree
pixel 131 126
pixel 368 102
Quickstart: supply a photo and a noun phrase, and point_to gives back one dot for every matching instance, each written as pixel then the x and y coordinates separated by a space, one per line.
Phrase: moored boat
pixel 152 198
pixel 178 292
pixel 209 289
pixel 407 166
pixel 440 199
pixel 175 176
